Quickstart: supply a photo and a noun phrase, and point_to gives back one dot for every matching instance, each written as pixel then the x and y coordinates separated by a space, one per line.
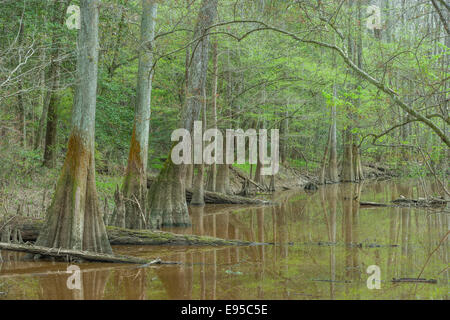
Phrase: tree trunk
pixel 322 178
pixel 333 171
pixel 212 174
pixel 223 179
pixel 189 175
pixel 357 165
pixel 198 185
pixel 223 174
pixel 258 168
pixel 347 160
pixel 135 181
pixel 168 200
pixel 20 96
pixel 116 49
pixel 73 220
pixel 347 174
pixel 43 118
pixel 59 11
pixel 258 176
pixel 51 129
pixel 285 133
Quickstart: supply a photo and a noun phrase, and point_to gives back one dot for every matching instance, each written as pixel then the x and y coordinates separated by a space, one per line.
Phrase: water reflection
pixel 320 248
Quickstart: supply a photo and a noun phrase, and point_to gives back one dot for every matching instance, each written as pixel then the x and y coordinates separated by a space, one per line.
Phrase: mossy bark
pixel 134 189
pixel 167 198
pixel 167 202
pixel 135 181
pixel 74 220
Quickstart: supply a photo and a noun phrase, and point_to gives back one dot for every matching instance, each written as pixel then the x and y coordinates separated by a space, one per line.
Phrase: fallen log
pixel 220 198
pixel 121 236
pixel 414 280
pixel 421 202
pixel 403 202
pixel 29 230
pixel 373 204
pixel 67 253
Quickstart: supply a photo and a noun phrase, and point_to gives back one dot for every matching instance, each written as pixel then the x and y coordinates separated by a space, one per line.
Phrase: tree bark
pixel 168 201
pixel 212 174
pixel 20 96
pixel 333 171
pixel 198 185
pixel 223 175
pixel 73 220
pixel 322 178
pixel 357 166
pixel 135 180
pixel 347 174
pixel 52 123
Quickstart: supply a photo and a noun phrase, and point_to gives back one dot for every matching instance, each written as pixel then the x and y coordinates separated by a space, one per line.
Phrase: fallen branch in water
pixel 67 253
pixel 421 202
pixel 374 204
pixel 220 198
pixel 404 202
pixel 414 280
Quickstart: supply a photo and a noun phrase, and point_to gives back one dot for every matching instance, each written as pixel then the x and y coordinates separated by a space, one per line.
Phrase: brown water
pixel 321 247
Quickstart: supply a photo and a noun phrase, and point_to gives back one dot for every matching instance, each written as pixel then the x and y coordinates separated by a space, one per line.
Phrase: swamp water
pixel 320 246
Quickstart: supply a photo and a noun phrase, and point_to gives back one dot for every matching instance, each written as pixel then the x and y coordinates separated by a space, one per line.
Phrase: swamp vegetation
pixel 91 92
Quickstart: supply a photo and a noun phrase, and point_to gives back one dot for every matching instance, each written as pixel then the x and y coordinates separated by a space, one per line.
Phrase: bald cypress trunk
pixel 135 181
pixel 74 220
pixel 167 201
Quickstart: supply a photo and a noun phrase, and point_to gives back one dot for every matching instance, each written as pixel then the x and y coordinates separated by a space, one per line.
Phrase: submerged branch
pixel 77 254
